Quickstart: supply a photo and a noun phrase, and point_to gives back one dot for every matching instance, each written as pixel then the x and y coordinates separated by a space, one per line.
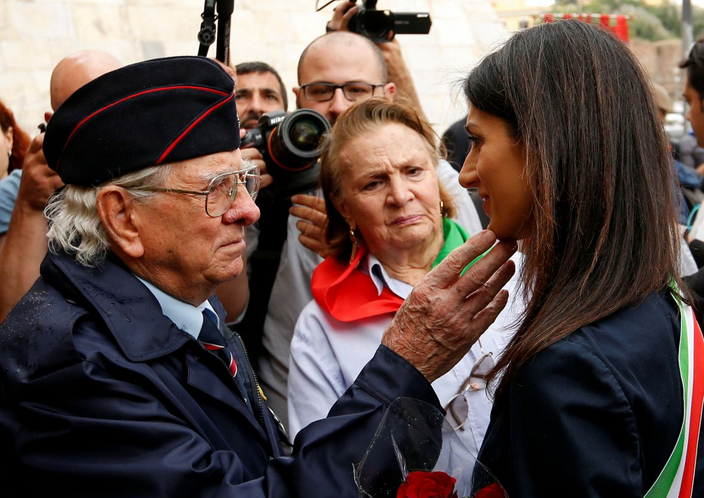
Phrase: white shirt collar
pixel 185 316
pixel 373 267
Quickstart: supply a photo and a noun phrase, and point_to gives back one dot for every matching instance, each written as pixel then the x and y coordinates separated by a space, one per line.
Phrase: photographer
pixel 258 90
pixel 391 49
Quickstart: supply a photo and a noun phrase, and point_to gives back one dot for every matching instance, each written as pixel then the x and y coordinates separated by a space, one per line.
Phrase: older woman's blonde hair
pixel 361 118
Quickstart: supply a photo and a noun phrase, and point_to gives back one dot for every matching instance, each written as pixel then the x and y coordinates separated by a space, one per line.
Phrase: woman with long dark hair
pixel 570 158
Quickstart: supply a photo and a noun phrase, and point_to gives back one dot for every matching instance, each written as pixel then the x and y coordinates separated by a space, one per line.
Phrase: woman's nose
pixel 399 191
pixel 468 173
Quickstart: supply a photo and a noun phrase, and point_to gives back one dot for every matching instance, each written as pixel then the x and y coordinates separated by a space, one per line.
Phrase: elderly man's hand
pixel 38 180
pixel 314 219
pixel 445 315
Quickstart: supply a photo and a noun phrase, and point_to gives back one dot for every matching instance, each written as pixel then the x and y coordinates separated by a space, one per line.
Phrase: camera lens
pixel 305 135
pixel 294 144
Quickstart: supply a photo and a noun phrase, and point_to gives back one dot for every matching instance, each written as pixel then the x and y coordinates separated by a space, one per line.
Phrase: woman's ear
pixel 118 213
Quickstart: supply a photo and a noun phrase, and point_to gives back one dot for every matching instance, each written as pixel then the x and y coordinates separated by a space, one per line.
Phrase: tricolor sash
pixel 677 477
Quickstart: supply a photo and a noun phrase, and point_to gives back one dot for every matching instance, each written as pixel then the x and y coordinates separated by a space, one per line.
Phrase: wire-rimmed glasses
pixel 221 191
pixel 323 92
pixel 458 408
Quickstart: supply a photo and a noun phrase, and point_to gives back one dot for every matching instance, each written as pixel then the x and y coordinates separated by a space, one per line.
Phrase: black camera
pixel 290 145
pixel 381 25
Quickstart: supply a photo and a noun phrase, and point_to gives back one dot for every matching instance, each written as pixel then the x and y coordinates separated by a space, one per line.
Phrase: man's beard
pixel 250 116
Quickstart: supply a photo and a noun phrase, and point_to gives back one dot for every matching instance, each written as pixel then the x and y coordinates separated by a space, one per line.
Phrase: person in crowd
pixel 689 194
pixel 399 73
pixel 25 243
pixel 119 377
pixel 691 154
pixel 590 398
pixel 694 89
pixel 13 148
pixel 260 89
pixel 13 142
pixel 334 71
pixel 388 226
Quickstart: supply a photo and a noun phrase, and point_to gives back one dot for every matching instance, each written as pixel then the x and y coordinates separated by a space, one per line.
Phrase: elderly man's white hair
pixel 74 224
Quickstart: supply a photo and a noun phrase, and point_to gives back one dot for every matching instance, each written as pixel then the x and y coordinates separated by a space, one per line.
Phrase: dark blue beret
pixel 145 114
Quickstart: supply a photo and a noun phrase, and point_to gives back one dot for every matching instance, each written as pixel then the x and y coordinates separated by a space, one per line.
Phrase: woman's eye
pixel 372 185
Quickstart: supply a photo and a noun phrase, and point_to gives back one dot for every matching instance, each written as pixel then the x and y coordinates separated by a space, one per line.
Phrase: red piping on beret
pixel 153 90
pixel 193 125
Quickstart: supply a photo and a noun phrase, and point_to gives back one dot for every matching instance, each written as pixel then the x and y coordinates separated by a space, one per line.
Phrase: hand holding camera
pixel 378 25
pixel 289 146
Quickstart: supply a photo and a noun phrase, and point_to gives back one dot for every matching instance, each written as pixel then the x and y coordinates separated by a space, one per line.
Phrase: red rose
pixel 491 491
pixel 422 484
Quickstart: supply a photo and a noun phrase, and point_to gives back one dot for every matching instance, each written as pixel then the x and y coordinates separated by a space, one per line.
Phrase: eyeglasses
pixel 322 92
pixel 458 408
pixel 221 191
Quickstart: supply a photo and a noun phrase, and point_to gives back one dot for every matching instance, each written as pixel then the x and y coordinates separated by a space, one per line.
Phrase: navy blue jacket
pixel 101 395
pixel 596 414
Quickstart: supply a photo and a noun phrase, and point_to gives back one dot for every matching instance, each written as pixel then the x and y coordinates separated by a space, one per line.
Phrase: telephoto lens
pixel 293 145
pixel 290 146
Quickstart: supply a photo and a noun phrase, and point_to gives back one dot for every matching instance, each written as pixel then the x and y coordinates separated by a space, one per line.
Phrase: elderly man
pixel 117 379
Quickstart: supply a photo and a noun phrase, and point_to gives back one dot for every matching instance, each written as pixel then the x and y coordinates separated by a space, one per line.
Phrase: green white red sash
pixel 677 478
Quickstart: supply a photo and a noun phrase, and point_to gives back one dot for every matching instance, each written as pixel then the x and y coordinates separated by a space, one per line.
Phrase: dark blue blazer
pixel 101 395
pixel 596 414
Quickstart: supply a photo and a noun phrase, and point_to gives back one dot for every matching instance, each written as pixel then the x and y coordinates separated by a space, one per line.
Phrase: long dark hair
pixel 605 233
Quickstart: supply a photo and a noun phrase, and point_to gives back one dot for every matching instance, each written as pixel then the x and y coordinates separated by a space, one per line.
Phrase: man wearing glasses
pixel 118 376
pixel 338 69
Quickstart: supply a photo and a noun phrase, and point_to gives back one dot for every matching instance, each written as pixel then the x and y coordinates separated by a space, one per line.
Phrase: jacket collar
pixel 125 305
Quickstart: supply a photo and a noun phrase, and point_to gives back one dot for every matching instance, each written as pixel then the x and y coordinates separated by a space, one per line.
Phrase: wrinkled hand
pixel 38 181
pixel 314 219
pixel 445 315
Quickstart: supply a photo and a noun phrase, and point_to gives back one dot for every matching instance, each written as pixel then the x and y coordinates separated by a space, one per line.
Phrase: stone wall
pixel 660 60
pixel 36 34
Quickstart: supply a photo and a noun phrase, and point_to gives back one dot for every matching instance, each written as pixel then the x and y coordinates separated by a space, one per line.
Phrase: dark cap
pixel 145 114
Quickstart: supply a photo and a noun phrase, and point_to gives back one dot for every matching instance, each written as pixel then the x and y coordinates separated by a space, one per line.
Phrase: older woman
pixel 569 156
pixel 389 224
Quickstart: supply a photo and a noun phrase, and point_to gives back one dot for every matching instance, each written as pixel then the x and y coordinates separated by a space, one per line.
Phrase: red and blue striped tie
pixel 212 340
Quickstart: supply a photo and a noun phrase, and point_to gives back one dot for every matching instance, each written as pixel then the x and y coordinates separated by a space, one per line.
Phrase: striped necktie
pixel 212 340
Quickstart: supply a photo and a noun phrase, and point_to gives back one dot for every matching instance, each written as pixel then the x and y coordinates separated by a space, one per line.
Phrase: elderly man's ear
pixel 120 216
